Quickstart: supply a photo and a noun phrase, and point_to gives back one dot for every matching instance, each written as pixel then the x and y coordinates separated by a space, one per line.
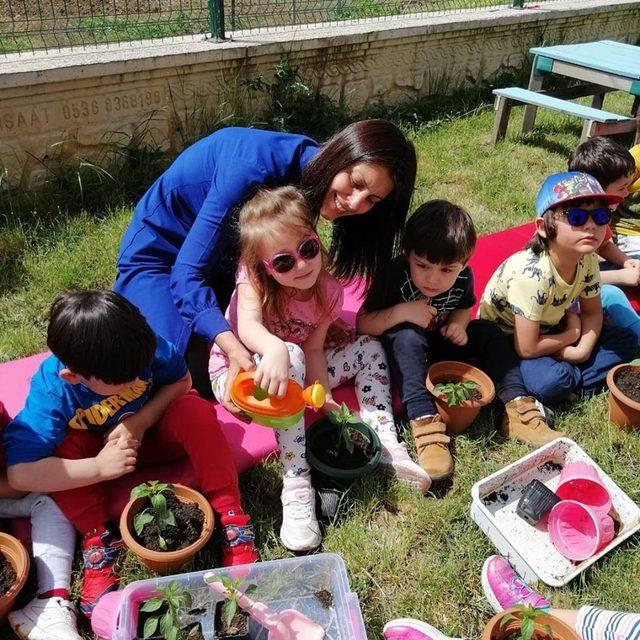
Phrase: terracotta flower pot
pixel 459 418
pixel 166 562
pixel 14 551
pixel 495 631
pixel 623 411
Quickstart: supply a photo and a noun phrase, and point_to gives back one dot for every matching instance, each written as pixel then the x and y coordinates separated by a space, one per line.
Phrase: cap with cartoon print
pixel 567 186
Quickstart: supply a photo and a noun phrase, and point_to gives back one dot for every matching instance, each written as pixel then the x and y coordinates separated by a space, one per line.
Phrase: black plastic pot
pixel 322 436
pixel 536 501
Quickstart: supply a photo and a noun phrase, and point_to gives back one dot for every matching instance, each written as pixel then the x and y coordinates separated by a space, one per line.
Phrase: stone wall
pixel 93 96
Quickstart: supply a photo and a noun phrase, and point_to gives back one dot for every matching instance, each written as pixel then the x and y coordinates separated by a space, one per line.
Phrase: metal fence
pixel 29 25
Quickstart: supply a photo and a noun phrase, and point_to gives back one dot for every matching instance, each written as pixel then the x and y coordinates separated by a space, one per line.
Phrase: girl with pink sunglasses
pixel 283 304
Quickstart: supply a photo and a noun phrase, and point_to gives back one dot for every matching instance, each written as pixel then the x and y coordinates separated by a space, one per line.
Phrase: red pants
pixel 189 427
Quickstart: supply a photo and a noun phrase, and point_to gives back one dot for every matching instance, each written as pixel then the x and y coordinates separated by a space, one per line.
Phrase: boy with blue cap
pixel 548 295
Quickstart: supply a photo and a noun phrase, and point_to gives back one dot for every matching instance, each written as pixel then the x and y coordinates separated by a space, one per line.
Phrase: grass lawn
pixel 407 555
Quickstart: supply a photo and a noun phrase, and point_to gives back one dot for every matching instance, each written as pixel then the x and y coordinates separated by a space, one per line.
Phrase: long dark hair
pixel 364 244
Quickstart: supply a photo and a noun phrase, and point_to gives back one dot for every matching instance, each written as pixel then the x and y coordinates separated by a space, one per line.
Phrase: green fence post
pixel 216 19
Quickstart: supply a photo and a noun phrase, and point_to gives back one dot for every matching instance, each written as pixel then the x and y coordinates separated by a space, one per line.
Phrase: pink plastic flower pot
pixel 105 615
pixel 578 531
pixel 581 481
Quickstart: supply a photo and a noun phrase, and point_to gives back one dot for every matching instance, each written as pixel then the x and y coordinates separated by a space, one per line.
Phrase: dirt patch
pixel 238 627
pixel 324 597
pixel 189 522
pixel 7 575
pixel 629 383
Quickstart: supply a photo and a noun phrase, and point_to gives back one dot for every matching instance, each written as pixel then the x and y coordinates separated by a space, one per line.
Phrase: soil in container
pixel 189 521
pixel 324 597
pixel 238 628
pixel 187 633
pixel 363 451
pixel 476 394
pixel 8 576
pixel 629 384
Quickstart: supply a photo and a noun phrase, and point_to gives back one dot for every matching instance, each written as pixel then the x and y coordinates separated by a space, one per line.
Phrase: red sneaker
pixel 238 544
pixel 100 550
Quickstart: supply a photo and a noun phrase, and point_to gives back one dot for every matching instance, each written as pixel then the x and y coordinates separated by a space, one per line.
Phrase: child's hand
pixel 418 312
pixel 117 458
pixel 126 430
pixel 573 323
pixel 339 333
pixel 454 333
pixel 330 405
pixel 574 354
pixel 629 275
pixel 631 263
pixel 272 374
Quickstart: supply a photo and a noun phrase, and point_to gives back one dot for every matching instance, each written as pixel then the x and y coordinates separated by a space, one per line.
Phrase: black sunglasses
pixel 577 217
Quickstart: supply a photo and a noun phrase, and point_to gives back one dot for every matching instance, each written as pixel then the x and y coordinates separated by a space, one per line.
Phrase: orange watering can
pixel 278 413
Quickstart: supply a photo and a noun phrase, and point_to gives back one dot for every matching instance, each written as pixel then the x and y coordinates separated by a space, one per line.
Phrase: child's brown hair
pixel 283 209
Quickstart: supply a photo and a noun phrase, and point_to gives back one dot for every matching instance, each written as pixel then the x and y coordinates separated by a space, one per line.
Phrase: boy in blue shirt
pixel 113 396
pixel 421 309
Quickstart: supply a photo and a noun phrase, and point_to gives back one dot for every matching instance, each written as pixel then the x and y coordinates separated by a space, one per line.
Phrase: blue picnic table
pixel 606 65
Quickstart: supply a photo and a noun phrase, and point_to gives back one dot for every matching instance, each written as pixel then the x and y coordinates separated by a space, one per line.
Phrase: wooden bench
pixel 597 121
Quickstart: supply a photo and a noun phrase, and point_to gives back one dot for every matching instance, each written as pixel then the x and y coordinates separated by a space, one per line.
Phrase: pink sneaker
pixel 410 629
pixel 504 588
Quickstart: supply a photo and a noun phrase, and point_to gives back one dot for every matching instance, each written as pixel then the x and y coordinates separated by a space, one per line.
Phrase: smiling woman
pixel 178 257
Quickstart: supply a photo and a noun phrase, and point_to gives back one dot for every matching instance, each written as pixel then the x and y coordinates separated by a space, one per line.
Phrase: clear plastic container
pixel 281 584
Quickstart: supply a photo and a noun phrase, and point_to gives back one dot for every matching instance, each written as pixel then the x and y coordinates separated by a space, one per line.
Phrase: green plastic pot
pixel 323 431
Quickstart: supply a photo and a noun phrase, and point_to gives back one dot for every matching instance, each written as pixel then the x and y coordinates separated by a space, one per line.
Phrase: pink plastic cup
pixel 579 531
pixel 581 481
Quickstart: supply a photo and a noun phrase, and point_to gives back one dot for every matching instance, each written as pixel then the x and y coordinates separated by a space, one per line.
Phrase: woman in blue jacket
pixel 178 256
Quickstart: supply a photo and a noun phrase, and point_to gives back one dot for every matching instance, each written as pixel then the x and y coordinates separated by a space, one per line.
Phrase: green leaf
pixel 527 628
pixel 230 608
pixel 140 491
pixel 159 503
pixel 141 520
pixel 172 634
pixel 507 618
pixel 162 542
pixel 150 626
pixel 166 623
pixel 250 589
pixel 194 631
pixel 151 605
pixel 170 519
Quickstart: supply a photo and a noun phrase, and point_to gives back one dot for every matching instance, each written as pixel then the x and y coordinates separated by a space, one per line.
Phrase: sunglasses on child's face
pixel 577 217
pixel 308 249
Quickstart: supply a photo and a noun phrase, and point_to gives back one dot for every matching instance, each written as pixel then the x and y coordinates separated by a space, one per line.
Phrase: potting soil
pixel 363 451
pixel 238 627
pixel 629 383
pixel 189 522
pixel 7 575
pixel 325 598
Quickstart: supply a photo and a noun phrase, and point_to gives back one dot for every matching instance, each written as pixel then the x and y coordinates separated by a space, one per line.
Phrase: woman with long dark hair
pixel 178 257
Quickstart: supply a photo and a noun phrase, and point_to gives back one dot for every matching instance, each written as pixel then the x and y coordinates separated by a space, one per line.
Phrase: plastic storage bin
pixel 529 548
pixel 281 584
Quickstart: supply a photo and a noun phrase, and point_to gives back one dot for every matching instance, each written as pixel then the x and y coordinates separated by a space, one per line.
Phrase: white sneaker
pixel 399 462
pixel 300 530
pixel 45 619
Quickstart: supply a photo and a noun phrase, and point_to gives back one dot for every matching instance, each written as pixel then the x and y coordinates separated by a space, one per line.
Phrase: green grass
pixel 407 555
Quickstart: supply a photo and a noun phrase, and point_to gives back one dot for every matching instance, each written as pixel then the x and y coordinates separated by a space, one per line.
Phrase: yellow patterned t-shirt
pixel 528 285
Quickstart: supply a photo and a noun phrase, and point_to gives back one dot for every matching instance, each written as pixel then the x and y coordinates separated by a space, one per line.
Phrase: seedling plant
pixel 165 610
pixel 158 512
pixel 343 419
pixel 456 393
pixel 230 607
pixel 527 616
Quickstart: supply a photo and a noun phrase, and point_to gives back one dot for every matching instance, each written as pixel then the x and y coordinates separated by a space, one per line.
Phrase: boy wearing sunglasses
pixel 548 295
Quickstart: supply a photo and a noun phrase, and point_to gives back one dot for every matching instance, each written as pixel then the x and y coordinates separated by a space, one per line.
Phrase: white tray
pixel 529 549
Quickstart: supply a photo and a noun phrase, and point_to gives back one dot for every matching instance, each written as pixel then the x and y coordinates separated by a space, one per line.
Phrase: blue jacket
pixel 181 240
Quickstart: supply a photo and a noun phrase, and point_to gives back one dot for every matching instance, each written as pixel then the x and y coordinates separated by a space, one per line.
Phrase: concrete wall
pixel 163 88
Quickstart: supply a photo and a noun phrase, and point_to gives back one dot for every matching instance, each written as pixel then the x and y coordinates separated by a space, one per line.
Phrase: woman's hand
pixel 272 374
pixel 239 360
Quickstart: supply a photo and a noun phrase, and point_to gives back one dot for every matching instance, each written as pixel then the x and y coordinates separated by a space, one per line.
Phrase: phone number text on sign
pixel 77 109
